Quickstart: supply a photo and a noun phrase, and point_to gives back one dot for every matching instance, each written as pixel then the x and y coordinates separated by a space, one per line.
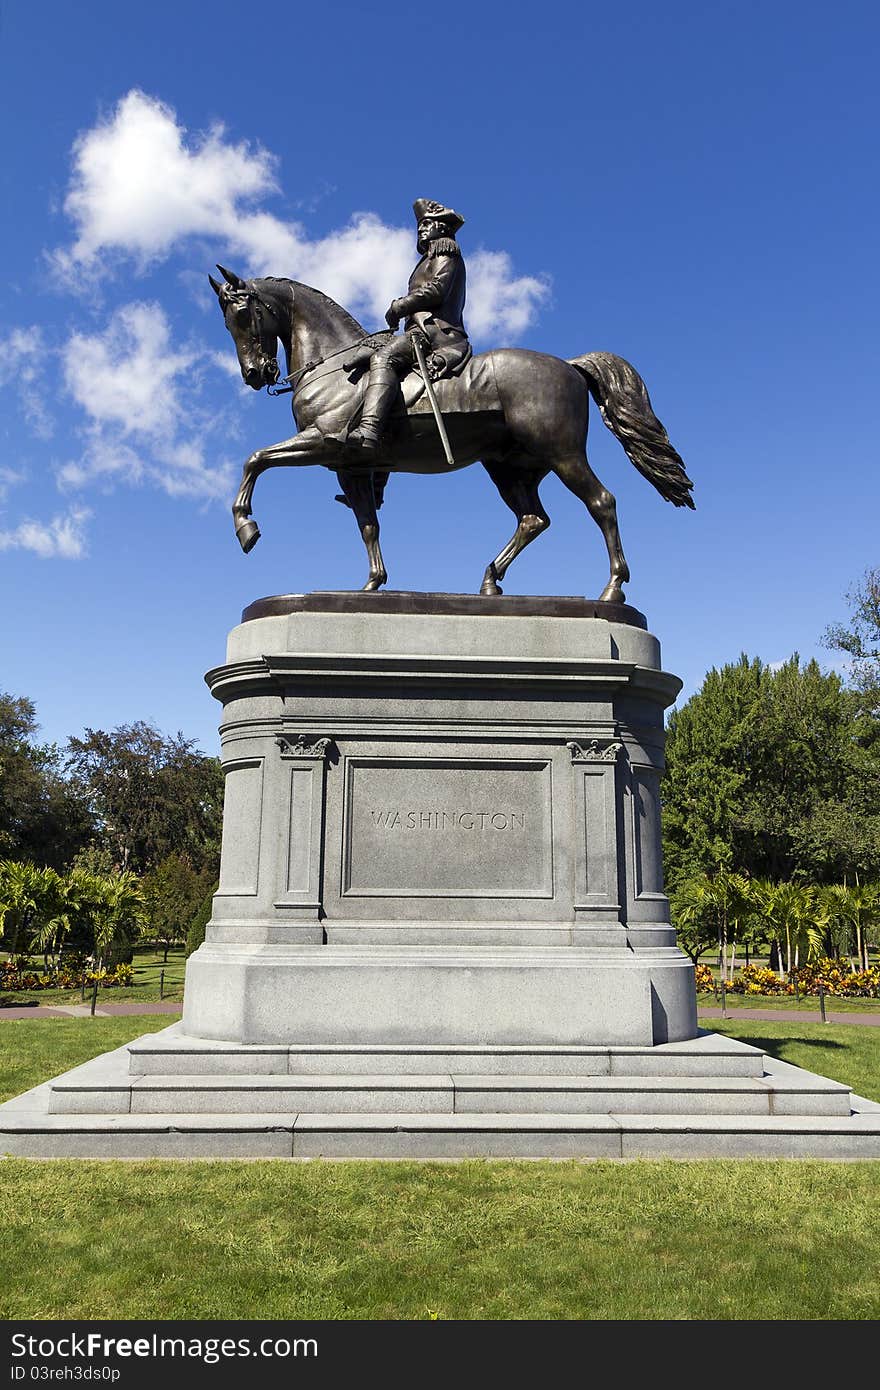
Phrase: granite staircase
pixel 166 1095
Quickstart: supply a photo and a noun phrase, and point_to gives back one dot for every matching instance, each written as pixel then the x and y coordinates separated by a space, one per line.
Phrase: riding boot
pixel 378 399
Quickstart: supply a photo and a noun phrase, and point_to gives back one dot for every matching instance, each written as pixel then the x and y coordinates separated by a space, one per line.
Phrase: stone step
pixel 783 1113
pixel 172 1053
pixel 33 1133
pixel 97 1089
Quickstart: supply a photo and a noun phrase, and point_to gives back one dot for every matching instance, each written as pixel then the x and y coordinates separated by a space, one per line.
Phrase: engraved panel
pixel 422 828
pixel 242 812
pixel 646 818
pixel 596 864
pixel 300 853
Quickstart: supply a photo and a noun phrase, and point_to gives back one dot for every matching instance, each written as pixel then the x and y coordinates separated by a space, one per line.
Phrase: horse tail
pixel 625 405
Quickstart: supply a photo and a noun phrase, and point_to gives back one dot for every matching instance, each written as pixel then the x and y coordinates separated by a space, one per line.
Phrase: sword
pixel 415 339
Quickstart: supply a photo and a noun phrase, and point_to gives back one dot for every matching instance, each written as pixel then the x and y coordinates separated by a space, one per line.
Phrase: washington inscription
pixel 396 819
pixel 448 828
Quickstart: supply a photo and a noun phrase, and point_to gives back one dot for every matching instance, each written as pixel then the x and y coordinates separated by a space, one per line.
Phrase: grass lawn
pixel 34 1049
pixel 808 1003
pixel 475 1240
pixel 472 1240
pixel 148 966
pixel 847 1054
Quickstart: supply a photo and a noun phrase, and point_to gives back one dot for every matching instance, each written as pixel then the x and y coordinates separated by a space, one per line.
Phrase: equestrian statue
pixel 367 405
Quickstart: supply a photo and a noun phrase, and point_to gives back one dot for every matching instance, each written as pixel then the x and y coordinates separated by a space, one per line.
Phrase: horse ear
pixel 231 278
pixel 218 289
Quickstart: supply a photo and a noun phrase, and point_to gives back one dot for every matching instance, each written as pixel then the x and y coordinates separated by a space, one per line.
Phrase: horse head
pixel 254 325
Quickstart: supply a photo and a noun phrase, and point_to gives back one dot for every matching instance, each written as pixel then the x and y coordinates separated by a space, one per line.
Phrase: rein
pixel 296 377
pixel 256 303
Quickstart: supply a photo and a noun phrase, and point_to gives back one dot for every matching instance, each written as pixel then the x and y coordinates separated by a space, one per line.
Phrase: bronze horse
pixel 522 414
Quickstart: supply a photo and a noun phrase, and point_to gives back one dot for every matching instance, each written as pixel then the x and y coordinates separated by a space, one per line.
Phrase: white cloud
pixel 23 358
pixel 129 380
pixel 137 188
pixel 227 363
pixel 128 374
pixel 498 301
pixel 107 459
pixel 62 537
pixel 141 186
pixel 363 267
pixel 9 477
pixel 187 474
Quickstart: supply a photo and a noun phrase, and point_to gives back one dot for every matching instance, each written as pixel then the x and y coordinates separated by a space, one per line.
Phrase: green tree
pixel 851 841
pixel 41 817
pixel 708 908
pixel 150 795
pixel 199 924
pixel 768 770
pixel 696 930
pixel 173 893
pixel 861 638
pixel 706 772
pixel 110 908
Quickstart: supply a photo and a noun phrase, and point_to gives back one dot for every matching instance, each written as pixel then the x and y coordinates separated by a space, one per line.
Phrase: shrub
pixel 833 976
pixel 17 974
pixel 196 934
pixel 703 978
pixel 757 979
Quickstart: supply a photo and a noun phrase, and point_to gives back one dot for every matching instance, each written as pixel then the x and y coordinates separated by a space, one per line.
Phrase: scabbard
pixel 416 341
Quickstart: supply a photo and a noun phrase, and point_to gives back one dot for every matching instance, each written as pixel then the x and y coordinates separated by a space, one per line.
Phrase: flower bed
pixel 18 973
pixel 833 976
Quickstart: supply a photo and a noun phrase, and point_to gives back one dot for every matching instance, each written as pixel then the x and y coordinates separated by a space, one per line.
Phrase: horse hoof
pixel 248 535
pixel 374 583
pixel 489 588
pixel 612 593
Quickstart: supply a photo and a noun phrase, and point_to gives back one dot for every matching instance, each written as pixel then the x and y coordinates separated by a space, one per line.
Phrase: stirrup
pixel 362 441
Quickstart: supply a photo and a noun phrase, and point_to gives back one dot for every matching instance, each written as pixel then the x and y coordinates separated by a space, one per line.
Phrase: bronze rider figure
pixel 433 307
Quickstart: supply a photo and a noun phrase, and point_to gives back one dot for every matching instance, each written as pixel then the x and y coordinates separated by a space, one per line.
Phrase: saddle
pixel 458 371
pixel 472 391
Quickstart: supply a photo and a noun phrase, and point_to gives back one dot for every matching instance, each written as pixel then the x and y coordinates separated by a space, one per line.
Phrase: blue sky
pixel 691 186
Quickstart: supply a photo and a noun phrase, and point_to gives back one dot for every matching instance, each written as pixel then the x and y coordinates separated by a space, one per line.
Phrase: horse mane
pixel 346 319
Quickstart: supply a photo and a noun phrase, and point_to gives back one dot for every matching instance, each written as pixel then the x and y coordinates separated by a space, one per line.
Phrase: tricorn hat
pixel 427 207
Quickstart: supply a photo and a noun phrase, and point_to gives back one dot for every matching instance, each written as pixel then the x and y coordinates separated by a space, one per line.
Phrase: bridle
pixel 258 306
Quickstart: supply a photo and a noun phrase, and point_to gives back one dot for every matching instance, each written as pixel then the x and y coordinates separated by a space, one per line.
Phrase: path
pixel 84 1010
pixel 869 1020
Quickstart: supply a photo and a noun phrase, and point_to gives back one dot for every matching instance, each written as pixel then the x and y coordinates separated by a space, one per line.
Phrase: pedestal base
pixel 441 826
pixel 439 996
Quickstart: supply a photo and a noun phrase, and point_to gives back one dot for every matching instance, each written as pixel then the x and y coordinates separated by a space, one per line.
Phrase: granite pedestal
pixel 441 826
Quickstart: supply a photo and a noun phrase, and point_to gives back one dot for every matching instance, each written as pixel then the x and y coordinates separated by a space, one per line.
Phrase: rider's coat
pixel 434 302
pixel 436 291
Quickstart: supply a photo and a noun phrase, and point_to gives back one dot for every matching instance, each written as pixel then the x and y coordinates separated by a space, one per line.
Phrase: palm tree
pixel 790 911
pixel 722 898
pixel 29 899
pixel 75 910
pixel 116 909
pixel 693 930
pixel 852 910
